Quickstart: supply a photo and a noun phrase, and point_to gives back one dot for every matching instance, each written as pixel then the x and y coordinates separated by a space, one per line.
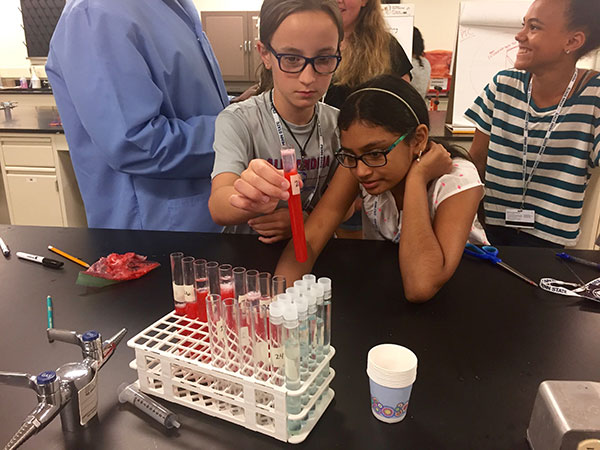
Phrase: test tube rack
pixel 172 360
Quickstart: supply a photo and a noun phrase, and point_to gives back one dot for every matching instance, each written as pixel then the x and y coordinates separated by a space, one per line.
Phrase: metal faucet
pixel 70 390
pixel 7 106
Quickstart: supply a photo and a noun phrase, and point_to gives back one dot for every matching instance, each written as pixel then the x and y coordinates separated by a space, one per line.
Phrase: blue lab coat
pixel 138 90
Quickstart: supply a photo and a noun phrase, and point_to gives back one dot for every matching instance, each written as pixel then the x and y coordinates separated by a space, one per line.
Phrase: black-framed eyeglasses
pixel 290 63
pixel 375 158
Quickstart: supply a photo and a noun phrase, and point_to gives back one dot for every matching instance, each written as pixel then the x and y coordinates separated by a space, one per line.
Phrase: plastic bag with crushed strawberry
pixel 116 267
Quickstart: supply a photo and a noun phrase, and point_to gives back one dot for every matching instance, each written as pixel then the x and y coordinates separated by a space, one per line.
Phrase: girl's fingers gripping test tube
pixel 290 172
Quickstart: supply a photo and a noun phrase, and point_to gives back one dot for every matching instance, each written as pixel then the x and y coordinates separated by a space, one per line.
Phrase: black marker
pixel 52 263
pixel 4 247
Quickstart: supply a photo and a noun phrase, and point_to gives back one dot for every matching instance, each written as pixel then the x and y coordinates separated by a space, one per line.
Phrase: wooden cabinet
pixel 39 182
pixel 233 36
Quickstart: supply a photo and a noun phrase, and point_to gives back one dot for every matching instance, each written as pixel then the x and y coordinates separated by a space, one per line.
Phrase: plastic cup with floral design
pixel 392 370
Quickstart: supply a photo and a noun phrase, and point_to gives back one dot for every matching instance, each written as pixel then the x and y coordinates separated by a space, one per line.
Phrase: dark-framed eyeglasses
pixel 375 158
pixel 290 63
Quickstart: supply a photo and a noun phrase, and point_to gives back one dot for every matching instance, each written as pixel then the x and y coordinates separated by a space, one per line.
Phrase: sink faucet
pixel 70 390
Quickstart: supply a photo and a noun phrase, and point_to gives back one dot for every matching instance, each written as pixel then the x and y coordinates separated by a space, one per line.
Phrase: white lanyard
pixel 321 160
pixel 590 290
pixel 555 116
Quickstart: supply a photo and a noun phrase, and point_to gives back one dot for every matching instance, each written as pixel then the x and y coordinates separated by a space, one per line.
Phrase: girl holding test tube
pixel 299 47
pixel 415 192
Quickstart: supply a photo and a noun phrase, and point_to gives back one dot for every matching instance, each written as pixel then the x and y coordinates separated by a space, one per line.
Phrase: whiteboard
pixel 485 45
pixel 400 21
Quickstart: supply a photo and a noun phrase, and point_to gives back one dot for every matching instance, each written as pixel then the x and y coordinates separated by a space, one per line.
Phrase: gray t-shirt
pixel 246 131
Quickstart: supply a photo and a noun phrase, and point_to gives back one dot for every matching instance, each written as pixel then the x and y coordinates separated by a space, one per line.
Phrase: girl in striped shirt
pixel 538 128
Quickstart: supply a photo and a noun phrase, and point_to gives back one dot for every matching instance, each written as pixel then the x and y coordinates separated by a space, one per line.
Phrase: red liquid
pixel 201 304
pixel 297 220
pixel 226 291
pixel 181 311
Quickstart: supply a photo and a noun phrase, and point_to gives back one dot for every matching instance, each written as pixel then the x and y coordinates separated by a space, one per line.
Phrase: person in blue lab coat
pixel 138 89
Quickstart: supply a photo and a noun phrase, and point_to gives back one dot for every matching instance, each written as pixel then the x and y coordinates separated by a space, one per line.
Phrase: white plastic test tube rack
pixel 172 359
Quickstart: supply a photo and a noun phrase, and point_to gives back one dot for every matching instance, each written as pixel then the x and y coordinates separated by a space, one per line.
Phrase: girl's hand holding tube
pixel 259 188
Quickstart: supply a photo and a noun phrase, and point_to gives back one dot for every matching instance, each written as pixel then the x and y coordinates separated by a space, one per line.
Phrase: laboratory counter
pixel 45 119
pixel 484 343
pixel 31 119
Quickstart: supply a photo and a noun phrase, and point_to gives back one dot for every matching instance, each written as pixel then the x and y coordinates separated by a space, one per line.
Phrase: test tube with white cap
pixel 317 289
pixel 309 279
pixel 129 393
pixel 302 307
pixel 276 341
pixel 292 363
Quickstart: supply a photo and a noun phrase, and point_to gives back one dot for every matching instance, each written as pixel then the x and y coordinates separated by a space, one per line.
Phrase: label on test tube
pixel 178 293
pixel 221 330
pixel 277 357
pixel 88 401
pixel 261 351
pixel 244 337
pixel 295 184
pixel 189 294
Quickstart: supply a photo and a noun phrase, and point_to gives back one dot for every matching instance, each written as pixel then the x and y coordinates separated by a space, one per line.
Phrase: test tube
pixel 177 278
pixel 231 317
pixel 260 341
pixel 264 286
pixel 201 286
pixel 278 285
pixel 129 393
pixel 312 331
pixel 292 364
pixel 253 289
pixel 293 292
pixel 326 283
pixel 240 290
pixel 215 329
pixel 302 307
pixel 290 172
pixel 318 291
pixel 276 341
pixel 309 279
pixel 187 265
pixel 212 272
pixel 226 281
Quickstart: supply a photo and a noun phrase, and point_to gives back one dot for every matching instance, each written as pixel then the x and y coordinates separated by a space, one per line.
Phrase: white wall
pixel 13 53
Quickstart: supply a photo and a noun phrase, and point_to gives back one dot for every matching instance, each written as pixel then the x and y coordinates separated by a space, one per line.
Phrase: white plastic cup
pixel 392 370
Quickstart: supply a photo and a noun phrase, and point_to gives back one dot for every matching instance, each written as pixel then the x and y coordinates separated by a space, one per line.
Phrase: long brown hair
pixel 273 12
pixel 366 52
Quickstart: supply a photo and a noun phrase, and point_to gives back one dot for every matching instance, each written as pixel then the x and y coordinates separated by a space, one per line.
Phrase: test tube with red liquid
pixel 290 172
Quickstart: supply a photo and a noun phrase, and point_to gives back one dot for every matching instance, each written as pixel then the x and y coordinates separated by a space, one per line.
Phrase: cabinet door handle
pixel 56 184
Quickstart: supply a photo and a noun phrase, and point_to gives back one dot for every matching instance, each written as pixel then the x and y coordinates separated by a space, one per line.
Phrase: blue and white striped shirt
pixel 557 188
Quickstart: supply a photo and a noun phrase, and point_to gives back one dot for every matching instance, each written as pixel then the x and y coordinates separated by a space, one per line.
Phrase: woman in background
pixel 421 71
pixel 538 128
pixel 368 50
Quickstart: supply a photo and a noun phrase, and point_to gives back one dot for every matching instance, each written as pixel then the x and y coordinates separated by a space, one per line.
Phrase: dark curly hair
pixel 584 15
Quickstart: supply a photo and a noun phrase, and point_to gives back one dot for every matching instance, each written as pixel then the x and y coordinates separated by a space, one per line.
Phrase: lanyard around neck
pixel 278 119
pixel 555 117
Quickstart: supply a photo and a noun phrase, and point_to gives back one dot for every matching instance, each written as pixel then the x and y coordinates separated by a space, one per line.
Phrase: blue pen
pixel 585 262
pixel 50 316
